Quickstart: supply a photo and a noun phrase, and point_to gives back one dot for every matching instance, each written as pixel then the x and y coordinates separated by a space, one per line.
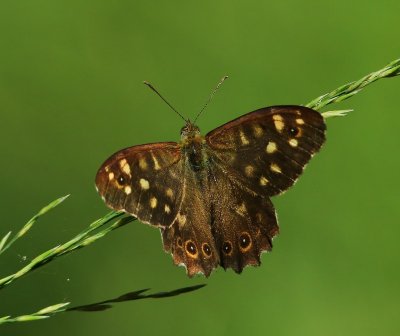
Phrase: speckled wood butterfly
pixel 210 195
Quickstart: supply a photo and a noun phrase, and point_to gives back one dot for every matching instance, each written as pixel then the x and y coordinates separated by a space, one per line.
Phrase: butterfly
pixel 210 195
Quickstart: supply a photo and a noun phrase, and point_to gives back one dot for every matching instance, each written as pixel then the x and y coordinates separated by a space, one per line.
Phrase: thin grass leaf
pixel 32 221
pixel 53 309
pixel 350 89
pixel 80 240
pixel 3 241
pixel 27 318
pixel 336 113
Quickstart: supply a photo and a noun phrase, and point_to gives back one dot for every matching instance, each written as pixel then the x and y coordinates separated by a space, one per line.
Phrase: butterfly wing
pixel 266 150
pixel 244 223
pixel 251 158
pixel 190 239
pixel 144 181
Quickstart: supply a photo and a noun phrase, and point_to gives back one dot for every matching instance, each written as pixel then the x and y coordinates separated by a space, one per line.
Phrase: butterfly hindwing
pixel 144 181
pixel 243 225
pixel 267 149
pixel 190 239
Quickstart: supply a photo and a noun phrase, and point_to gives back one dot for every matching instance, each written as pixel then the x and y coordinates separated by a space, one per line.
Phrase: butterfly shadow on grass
pixel 131 296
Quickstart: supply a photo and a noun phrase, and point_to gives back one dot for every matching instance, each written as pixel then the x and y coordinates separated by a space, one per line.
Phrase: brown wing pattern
pixel 144 181
pixel 244 223
pixel 190 238
pixel 218 211
pixel 266 150
pixel 219 223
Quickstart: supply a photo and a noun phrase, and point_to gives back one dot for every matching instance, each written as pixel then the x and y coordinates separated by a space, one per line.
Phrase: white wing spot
pixel 271 147
pixel 249 170
pixel 142 163
pixel 128 190
pixel 293 142
pixel 167 209
pixel 275 168
pixel 111 176
pixel 156 164
pixel 243 138
pixel 126 169
pixel 300 121
pixel 258 131
pixel 181 219
pixel 263 181
pixel 169 192
pixel 278 121
pixel 122 163
pixel 153 202
pixel 144 184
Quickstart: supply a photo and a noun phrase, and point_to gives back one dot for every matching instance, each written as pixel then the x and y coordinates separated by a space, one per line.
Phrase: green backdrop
pixel 71 94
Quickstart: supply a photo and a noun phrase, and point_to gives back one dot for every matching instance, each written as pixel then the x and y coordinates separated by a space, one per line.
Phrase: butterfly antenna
pixel 158 93
pixel 211 97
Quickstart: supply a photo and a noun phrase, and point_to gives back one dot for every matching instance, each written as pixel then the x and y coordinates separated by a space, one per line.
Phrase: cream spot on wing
pixel 181 219
pixel 126 169
pixel 258 131
pixel 169 192
pixel 111 176
pixel 271 147
pixel 249 170
pixel 107 169
pixel 128 190
pixel 143 163
pixel 275 168
pixel 167 209
pixel 144 184
pixel 241 209
pixel 293 142
pixel 300 121
pixel 156 164
pixel 153 202
pixel 278 121
pixel 122 163
pixel 243 138
pixel 263 181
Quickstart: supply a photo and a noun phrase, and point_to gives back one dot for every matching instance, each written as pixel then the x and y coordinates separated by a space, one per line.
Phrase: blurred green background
pixel 71 94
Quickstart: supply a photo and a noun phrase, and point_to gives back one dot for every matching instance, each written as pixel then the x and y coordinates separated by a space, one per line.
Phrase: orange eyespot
pixel 245 242
pixel 191 249
pixel 227 248
pixel 121 180
pixel 206 249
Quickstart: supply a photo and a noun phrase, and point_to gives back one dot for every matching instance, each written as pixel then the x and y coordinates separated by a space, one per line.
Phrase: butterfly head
pixel 189 131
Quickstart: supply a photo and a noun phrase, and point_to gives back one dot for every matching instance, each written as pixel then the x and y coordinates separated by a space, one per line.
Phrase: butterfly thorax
pixel 192 146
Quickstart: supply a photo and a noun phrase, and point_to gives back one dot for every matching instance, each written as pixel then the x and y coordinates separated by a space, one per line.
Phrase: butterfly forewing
pixel 268 149
pixel 144 181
